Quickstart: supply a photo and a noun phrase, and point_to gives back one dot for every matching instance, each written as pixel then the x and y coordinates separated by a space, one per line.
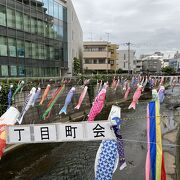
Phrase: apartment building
pixel 99 56
pixel 114 57
pixel 152 63
pixel 138 66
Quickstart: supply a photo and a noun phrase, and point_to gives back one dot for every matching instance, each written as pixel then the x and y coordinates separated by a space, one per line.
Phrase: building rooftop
pixel 96 42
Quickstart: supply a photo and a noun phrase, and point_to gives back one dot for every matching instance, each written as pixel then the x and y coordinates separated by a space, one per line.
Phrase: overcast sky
pixel 151 25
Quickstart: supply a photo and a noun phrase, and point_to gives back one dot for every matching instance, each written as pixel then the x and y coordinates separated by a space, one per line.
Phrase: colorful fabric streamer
pixel 10 96
pixel 125 86
pixel 117 84
pixel 154 158
pixel 81 98
pixel 145 83
pixel 161 95
pixel 27 104
pixel 2 139
pixel 106 160
pixel 162 81
pixel 19 88
pixel 8 118
pixel 99 87
pixel 110 151
pixel 58 93
pixel 45 94
pixel 127 91
pixel 98 104
pixel 120 147
pixel 136 97
pixel 36 96
pixel 67 100
pixel 174 83
pixel 113 83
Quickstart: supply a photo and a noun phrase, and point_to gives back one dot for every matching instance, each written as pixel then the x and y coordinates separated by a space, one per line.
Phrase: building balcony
pixel 99 54
pixel 97 66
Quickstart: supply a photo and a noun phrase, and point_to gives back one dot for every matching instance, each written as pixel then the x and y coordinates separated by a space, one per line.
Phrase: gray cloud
pixel 150 24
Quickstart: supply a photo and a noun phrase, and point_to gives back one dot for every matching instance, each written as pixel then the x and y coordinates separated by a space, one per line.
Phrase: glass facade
pixel 33 38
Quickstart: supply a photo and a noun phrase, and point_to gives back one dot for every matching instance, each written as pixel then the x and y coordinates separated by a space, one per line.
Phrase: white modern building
pixel 75 37
pixel 126 60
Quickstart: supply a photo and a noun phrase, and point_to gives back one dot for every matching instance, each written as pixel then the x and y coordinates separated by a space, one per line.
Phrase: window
pixel 13 70
pixel 88 61
pixel 40 27
pixel 11 18
pixel 60 31
pixel 2 16
pixel 51 9
pixel 27 49
pixel 51 50
pixel 101 49
pixel 95 61
pixel 62 13
pixel 35 72
pixel 12 47
pixel 4 70
pixel 46 29
pixel 124 64
pixel 21 71
pixel 26 23
pixel 28 71
pixel 41 51
pixel 3 46
pixel 111 62
pixel 34 51
pixel 20 48
pixel 55 27
pixel 19 20
pixel 47 71
pixel 41 72
pixel 101 61
pixel 33 25
pixel 56 10
pixel 46 52
pixel 46 4
pixel 124 56
pixel 51 31
pixel 112 51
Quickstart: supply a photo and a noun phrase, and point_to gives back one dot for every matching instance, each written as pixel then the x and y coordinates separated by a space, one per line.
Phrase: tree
pixel 120 71
pixel 77 66
pixel 168 70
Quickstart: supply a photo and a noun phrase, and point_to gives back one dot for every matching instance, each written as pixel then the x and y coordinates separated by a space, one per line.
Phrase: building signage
pixel 60 132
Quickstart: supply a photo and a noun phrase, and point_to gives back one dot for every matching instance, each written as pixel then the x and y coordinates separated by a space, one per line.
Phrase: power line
pixel 145 142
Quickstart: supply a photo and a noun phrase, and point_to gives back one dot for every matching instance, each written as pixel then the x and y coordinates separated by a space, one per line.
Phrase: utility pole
pixel 129 63
pixel 107 51
pixel 91 36
pixel 108 36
